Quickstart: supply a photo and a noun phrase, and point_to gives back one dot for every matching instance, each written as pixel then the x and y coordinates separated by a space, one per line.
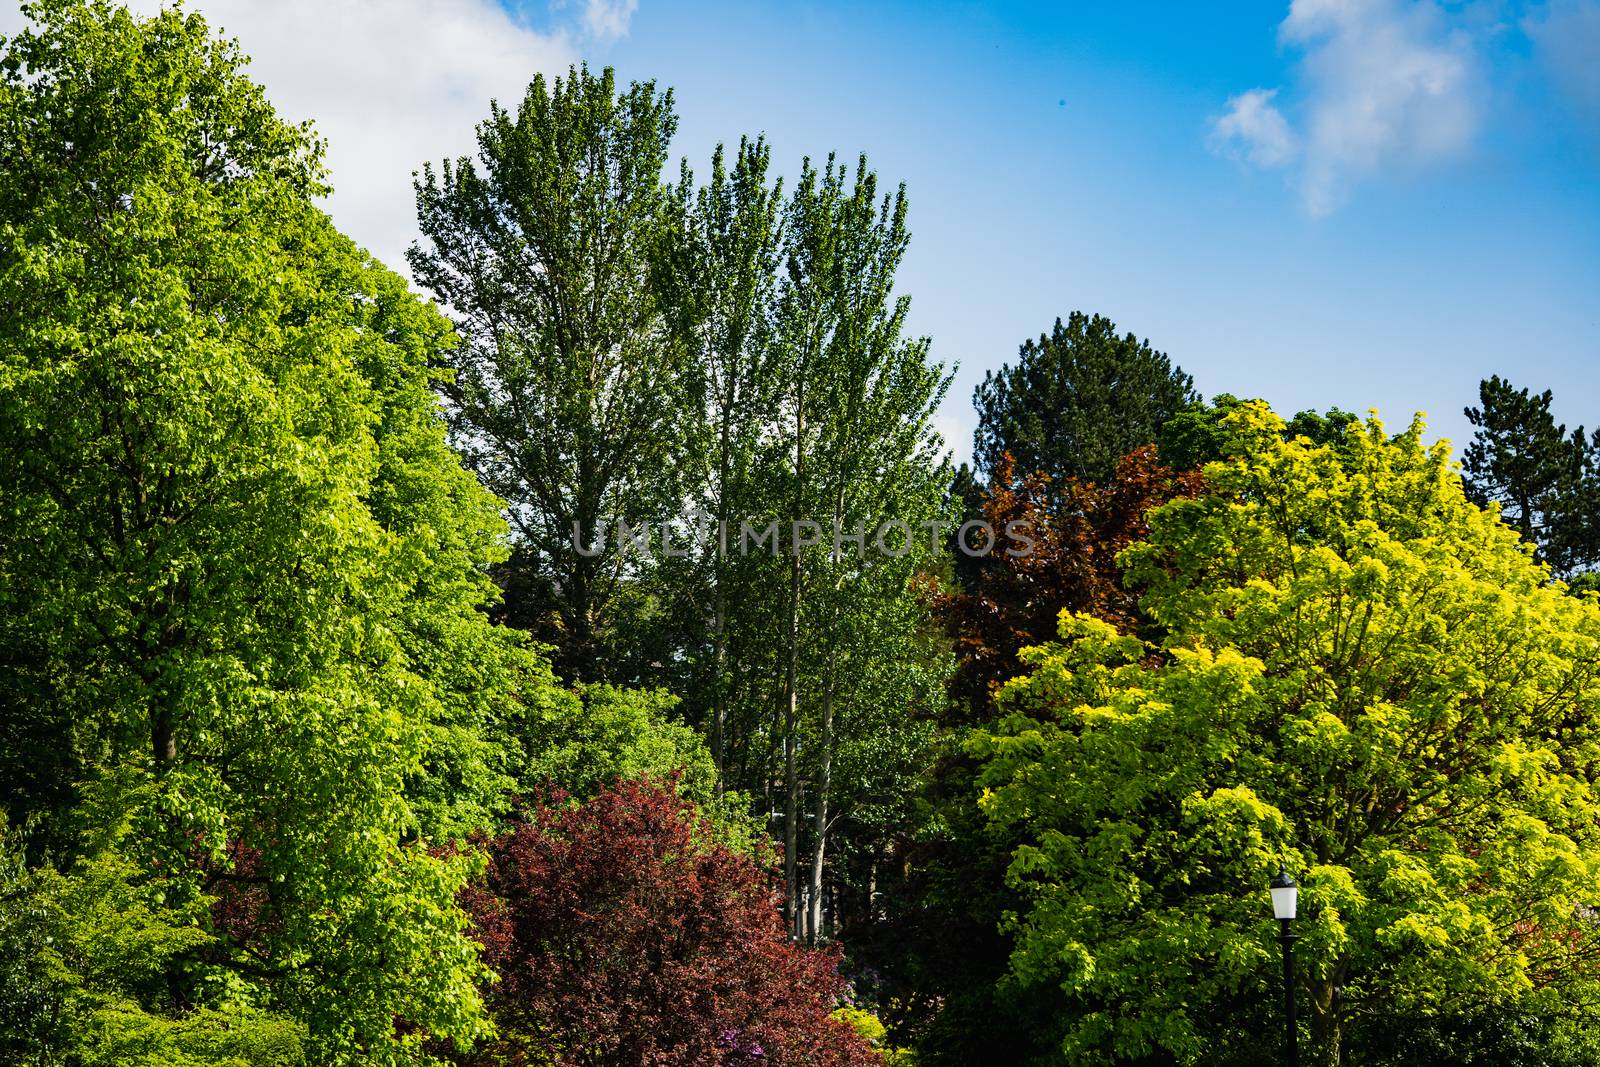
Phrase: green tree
pixel 1077 400
pixel 718 282
pixel 1545 481
pixel 89 957
pixel 1362 677
pixel 1205 432
pixel 237 560
pixel 582 740
pixel 568 392
pixel 853 452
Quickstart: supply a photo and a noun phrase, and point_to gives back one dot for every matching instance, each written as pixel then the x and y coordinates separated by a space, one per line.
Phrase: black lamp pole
pixel 1285 899
pixel 1291 1036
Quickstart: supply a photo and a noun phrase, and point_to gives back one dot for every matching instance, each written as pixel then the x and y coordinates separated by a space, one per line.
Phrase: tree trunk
pixel 1327 1021
pixel 719 710
pixel 768 770
pixel 575 657
pixel 824 779
pixel 824 751
pixel 872 890
pixel 163 743
pixel 791 780
pixel 578 585
pixel 163 732
pixel 791 723
pixel 719 690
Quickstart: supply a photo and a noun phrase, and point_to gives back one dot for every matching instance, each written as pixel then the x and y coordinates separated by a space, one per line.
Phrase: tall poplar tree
pixel 568 391
pixel 858 453
pixel 718 281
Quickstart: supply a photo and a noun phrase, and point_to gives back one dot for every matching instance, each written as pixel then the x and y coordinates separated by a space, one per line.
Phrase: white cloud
pixel 1566 40
pixel 1256 130
pixel 1391 86
pixel 607 20
pixel 1383 86
pixel 389 83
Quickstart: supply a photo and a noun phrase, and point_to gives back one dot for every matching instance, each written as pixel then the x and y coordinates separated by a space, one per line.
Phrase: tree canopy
pixel 1077 400
pixel 1545 481
pixel 1361 676
pixel 624 933
pixel 240 570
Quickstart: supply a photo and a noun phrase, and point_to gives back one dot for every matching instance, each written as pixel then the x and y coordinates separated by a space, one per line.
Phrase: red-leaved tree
pixel 625 934
pixel 1077 529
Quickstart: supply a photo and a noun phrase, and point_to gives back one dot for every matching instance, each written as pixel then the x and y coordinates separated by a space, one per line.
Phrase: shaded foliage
pixel 1204 433
pixel 1077 400
pixel 1545 480
pixel 938 945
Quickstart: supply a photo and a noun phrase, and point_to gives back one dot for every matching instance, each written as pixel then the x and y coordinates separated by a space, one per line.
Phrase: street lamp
pixel 1285 897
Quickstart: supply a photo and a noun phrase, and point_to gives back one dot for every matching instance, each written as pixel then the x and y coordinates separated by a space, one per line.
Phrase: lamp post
pixel 1285 896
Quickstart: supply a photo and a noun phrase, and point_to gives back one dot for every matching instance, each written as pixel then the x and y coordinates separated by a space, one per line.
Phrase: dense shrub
pixel 625 933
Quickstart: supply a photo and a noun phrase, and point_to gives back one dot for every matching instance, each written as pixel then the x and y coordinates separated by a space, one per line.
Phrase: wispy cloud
pixel 1255 130
pixel 1566 40
pixel 1381 86
pixel 607 20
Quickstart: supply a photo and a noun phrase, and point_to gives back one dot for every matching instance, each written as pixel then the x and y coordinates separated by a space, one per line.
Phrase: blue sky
pixel 1362 203
pixel 1064 157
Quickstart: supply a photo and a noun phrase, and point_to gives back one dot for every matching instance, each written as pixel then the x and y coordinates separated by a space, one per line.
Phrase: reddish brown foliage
pixel 623 934
pixel 242 906
pixel 1078 528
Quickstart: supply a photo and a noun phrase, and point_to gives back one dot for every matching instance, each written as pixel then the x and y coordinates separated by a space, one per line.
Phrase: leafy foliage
pixel 624 933
pixel 95 971
pixel 872 1029
pixel 580 740
pixel 237 559
pixel 1546 482
pixel 1077 400
pixel 1361 675
pixel 1504 1037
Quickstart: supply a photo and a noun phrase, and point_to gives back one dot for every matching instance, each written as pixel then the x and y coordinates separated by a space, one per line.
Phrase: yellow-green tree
pixel 1359 674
